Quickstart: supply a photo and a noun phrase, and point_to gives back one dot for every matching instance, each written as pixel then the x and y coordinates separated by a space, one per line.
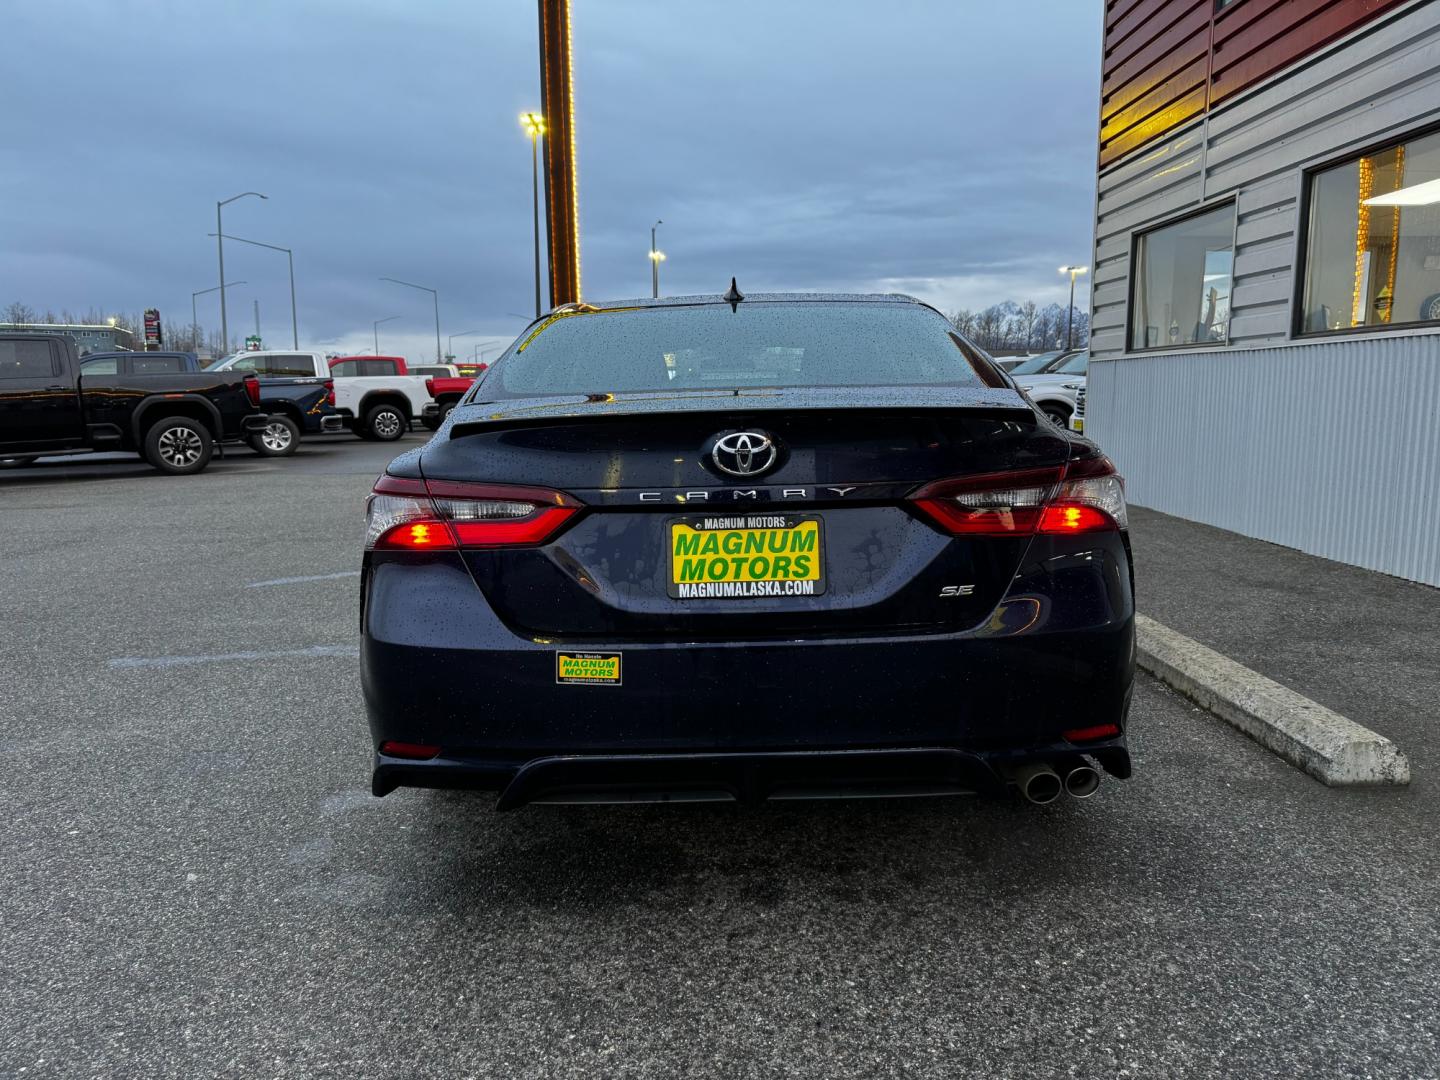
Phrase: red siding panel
pixel 1165 61
pixel 1275 38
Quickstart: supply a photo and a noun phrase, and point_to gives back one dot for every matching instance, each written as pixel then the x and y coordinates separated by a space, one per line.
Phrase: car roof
pixel 699 299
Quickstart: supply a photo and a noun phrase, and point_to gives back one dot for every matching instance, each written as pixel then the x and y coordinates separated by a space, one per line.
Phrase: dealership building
pixel 1265 313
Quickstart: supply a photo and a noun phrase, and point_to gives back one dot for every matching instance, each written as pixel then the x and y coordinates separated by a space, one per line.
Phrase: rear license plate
pixel 1077 425
pixel 752 555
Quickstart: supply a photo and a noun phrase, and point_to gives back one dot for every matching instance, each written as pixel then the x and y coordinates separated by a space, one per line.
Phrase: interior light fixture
pixel 1426 194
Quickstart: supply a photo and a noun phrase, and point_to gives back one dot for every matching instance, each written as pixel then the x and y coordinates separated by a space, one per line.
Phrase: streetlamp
pixel 220 247
pixel 1074 272
pixel 195 315
pixel 439 359
pixel 377 331
pixel 294 326
pixel 450 341
pixel 656 258
pixel 534 125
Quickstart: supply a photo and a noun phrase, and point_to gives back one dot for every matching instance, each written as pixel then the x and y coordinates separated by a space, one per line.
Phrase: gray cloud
pixel 944 147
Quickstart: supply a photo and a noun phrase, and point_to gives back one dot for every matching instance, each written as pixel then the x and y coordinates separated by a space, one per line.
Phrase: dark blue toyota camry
pixel 770 547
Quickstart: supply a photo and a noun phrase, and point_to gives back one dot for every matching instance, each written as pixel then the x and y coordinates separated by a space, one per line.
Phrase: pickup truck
pixel 446 390
pixel 374 396
pixel 387 398
pixel 50 405
pixel 300 401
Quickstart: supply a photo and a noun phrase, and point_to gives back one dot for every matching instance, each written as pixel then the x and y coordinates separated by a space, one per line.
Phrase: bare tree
pixel 18 314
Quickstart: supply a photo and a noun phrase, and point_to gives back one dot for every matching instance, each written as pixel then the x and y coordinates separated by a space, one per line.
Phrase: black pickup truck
pixel 50 406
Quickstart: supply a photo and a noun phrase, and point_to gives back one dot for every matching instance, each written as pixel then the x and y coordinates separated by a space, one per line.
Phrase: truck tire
pixel 385 423
pixel 279 439
pixel 178 445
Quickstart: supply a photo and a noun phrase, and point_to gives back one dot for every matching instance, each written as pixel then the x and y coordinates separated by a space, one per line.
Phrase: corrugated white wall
pixel 1331 447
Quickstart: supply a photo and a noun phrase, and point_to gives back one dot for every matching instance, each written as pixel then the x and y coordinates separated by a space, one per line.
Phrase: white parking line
pixel 225 658
pixel 301 580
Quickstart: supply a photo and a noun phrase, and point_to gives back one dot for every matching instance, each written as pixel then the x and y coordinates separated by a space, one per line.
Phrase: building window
pixel 1372 249
pixel 1182 281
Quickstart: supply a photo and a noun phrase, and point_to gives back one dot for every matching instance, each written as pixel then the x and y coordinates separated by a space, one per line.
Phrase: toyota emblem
pixel 745 453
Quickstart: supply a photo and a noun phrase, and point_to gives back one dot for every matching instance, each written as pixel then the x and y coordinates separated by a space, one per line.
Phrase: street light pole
pixel 439 357
pixel 290 255
pixel 194 313
pixel 1074 272
pixel 376 328
pixel 534 125
pixel 450 341
pixel 656 258
pixel 220 248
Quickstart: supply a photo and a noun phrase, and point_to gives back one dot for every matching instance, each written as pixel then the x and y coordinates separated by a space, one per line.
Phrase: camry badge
pixel 744 453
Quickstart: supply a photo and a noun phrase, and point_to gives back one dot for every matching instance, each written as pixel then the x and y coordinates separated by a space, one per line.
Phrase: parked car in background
pixel 1055 389
pixel 1077 418
pixel 445 394
pixel 1041 362
pixel 374 396
pixel 51 405
pixel 300 399
pixel 378 395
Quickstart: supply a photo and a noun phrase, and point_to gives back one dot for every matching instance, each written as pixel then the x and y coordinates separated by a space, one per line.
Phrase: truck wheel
pixel 279 438
pixel 1058 414
pixel 385 422
pixel 178 445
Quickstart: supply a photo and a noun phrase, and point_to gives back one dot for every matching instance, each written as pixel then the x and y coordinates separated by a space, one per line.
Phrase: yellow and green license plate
pixel 719 557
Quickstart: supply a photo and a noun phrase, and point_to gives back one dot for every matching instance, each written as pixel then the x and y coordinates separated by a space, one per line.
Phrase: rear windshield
pixel 711 347
pixel 1076 365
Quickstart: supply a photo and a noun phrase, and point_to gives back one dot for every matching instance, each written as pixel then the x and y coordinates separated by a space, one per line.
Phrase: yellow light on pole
pixel 1074 272
pixel 534 125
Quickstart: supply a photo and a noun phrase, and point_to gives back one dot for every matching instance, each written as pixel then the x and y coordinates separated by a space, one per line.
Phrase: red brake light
pixel 252 390
pixel 1085 496
pixel 1090 734
pixel 414 751
pixel 330 392
pixel 430 387
pixel 437 515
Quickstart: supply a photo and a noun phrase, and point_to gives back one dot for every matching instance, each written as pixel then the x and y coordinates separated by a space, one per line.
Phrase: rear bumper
pixel 430 411
pixel 737 777
pixel 332 423
pixel 746 718
pixel 254 424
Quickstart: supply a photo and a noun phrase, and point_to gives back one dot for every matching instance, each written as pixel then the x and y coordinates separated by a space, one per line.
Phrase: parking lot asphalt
pixel 1362 643
pixel 197 882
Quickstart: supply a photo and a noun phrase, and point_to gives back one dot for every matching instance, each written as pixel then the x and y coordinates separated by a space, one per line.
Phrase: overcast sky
pixel 943 148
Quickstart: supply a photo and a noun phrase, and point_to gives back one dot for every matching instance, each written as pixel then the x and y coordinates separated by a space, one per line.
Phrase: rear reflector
pixel 1090 734
pixel 1085 496
pixel 252 389
pixel 439 515
pixel 414 751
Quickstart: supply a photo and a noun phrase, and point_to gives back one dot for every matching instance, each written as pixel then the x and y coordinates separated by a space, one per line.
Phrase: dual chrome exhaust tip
pixel 1041 784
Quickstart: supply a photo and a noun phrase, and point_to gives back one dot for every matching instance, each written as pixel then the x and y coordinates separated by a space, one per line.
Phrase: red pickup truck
pixel 446 393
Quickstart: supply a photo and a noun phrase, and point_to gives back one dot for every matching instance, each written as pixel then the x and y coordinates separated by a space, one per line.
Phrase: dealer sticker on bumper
pixel 721 557
pixel 593 669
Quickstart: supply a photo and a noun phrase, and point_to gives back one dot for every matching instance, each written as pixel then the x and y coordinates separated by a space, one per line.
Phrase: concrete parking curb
pixel 1328 746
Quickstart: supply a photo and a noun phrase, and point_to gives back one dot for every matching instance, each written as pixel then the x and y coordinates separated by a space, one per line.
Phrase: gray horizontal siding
pixel 1383 81
pixel 1330 447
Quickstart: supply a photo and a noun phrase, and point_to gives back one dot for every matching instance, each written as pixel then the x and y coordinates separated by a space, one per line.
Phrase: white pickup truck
pixel 377 396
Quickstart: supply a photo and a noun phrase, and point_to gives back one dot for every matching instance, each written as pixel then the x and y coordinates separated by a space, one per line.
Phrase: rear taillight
pixel 413 751
pixel 430 387
pixel 1084 496
pixel 252 390
pixel 441 515
pixel 330 392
